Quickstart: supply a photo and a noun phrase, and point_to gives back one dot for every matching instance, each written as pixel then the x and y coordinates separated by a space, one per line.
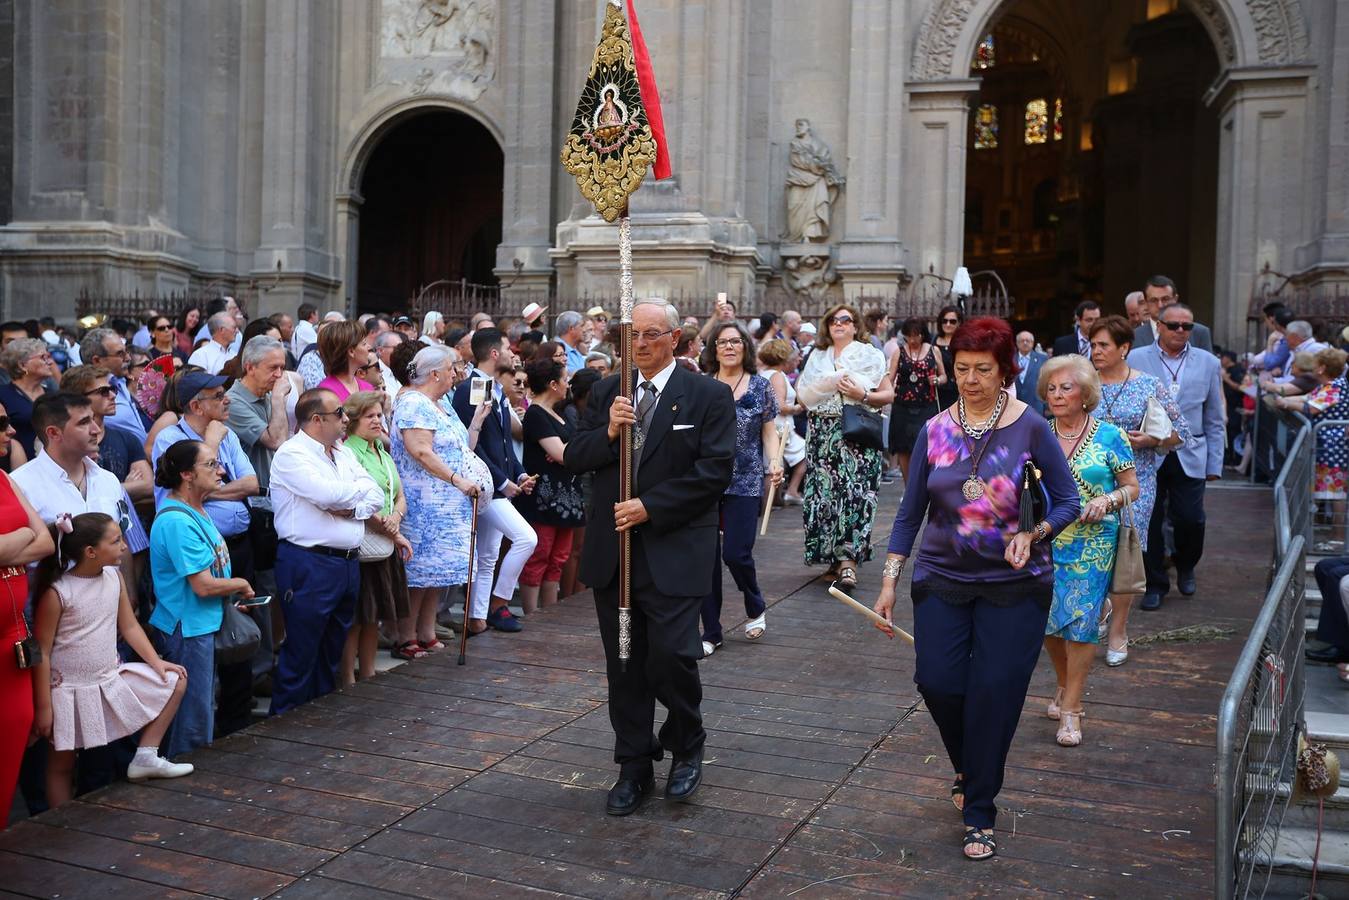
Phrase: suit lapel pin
pixel 675 408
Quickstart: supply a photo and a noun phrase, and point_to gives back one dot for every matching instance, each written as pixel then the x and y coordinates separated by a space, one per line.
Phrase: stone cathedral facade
pixel 349 151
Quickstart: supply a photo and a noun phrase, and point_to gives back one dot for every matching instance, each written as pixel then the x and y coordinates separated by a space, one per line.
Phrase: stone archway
pixel 1246 33
pixel 1260 99
pixel 362 148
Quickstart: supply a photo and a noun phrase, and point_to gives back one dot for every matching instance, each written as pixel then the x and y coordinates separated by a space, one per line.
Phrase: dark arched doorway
pixel 1092 158
pixel 432 194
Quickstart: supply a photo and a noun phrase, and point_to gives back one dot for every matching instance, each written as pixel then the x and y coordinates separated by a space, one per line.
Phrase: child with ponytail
pixel 84 696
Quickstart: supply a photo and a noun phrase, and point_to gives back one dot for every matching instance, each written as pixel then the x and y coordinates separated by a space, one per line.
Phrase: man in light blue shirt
pixel 106 348
pixel 203 396
pixel 568 328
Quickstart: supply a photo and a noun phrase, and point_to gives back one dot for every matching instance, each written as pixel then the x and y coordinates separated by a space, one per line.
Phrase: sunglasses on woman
pixel 950 321
pixel 841 320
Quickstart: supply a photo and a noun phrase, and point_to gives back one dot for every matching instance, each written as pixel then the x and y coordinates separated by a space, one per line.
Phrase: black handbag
pixel 862 426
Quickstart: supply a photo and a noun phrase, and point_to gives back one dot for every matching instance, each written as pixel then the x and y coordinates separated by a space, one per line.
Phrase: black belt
pixel 329 551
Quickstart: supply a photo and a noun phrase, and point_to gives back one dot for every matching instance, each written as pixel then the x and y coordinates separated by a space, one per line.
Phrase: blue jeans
pixel 194 725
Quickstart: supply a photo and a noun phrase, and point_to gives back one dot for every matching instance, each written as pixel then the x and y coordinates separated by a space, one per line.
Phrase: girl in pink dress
pixel 83 695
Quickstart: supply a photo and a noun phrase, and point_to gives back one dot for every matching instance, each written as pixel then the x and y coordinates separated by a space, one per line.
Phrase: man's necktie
pixel 646 406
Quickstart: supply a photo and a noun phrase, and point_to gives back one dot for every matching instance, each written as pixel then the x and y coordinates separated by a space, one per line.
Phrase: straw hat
pixel 532 312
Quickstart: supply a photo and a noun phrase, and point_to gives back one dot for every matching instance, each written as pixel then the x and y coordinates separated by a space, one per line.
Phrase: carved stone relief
pixel 1280 33
pixel 441 46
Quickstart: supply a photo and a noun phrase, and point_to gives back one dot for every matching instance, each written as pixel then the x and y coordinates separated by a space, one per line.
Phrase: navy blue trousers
pixel 1333 627
pixel 735 547
pixel 318 601
pixel 1182 499
pixel 974 666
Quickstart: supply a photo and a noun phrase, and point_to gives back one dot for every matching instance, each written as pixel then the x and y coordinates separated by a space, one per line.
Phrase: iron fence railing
pixel 1262 710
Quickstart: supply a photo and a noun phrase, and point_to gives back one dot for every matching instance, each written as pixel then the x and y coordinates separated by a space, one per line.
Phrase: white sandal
pixel 709 648
pixel 1115 658
pixel 755 628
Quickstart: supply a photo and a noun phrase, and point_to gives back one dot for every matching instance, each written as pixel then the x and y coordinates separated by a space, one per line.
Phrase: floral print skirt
pixel 839 497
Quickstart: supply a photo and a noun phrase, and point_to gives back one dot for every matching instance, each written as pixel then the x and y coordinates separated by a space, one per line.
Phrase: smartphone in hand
pixel 478 390
pixel 262 600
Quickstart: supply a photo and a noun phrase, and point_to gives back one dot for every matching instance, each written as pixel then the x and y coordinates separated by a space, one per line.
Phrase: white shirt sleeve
pixel 294 470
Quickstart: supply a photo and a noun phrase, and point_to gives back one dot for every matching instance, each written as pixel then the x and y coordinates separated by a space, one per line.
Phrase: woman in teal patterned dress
pixel 1102 464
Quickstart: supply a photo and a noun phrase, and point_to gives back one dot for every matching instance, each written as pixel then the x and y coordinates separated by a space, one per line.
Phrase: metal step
pixel 1334 813
pixel 1292 857
pixel 1331 729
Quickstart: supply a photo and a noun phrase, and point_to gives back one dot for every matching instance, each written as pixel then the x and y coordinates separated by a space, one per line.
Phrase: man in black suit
pixel 498 518
pixel 1158 294
pixel 1079 341
pixel 687 423
pixel 1028 363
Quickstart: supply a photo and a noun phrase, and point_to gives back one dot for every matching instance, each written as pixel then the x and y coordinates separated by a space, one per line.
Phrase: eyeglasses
pixel 163 328
pixel 842 319
pixel 373 364
pixel 950 321
pixel 339 412
pixel 730 342
pixel 106 391
pixel 650 336
pixel 1179 326
pixel 209 398
pixel 210 464
pixel 120 353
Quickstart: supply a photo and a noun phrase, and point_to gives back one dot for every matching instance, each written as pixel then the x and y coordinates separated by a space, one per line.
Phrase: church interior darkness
pixel 432 194
pixel 1092 159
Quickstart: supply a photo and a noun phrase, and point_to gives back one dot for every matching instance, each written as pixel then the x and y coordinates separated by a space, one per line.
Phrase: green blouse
pixel 377 461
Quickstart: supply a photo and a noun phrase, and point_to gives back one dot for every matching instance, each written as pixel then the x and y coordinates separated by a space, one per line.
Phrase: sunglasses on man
pixel 1179 326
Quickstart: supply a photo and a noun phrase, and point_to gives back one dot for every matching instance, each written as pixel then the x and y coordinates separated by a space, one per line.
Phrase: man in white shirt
pixel 385 344
pixel 306 328
pixel 226 305
pixel 64 478
pixel 321 497
pixel 220 349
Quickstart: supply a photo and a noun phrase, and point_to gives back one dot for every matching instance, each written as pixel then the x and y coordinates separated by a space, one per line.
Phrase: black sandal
pixel 958 790
pixel 984 839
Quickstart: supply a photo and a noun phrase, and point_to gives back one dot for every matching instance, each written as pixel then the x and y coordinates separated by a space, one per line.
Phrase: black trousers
pixel 663 665
pixel 1182 498
pixel 1333 627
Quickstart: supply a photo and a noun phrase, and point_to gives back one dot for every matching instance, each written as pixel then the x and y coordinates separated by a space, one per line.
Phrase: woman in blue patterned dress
pixel 1124 401
pixel 441 477
pixel 729 358
pixel 1102 464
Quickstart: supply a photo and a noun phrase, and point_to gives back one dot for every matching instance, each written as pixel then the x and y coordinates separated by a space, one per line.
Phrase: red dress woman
pixel 16 685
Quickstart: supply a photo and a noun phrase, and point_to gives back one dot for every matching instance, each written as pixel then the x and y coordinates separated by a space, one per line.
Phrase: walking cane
pixel 772 488
pixel 867 612
pixel 468 588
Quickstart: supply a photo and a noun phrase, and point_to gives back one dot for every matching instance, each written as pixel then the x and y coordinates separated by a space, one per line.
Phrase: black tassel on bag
pixel 1030 493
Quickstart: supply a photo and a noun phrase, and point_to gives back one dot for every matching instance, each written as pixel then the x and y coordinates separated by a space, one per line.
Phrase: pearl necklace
pixel 1068 436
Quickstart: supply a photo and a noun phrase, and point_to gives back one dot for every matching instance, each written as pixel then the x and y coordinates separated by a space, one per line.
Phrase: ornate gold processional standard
pixel 615 138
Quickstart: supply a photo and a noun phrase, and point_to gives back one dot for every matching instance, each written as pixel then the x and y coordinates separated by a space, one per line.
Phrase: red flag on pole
pixel 646 83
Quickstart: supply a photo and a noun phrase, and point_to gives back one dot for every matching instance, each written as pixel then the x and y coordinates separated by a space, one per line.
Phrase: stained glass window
pixel 1058 119
pixel 1037 121
pixel 984 54
pixel 986 127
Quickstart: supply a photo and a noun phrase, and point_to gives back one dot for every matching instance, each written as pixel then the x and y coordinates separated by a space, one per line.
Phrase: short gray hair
pixel 671 314
pixel 1083 372
pixel 1300 327
pixel 427 360
pixel 257 349
pixel 566 321
pixel 397 336
pixel 219 322
pixel 91 345
pixel 20 351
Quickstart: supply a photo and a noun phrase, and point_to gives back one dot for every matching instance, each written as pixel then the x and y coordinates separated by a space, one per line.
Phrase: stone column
pixel 1328 176
pixel 532 140
pixel 938 124
pixel 1261 183
pixel 297 168
pixel 870 255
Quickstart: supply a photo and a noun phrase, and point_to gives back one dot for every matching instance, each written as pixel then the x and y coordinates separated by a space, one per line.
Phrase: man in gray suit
pixel 1028 361
pixel 1158 294
pixel 1194 378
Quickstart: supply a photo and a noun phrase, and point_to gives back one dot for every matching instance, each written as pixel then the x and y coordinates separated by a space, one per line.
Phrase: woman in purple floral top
pixel 729 358
pixel 981 587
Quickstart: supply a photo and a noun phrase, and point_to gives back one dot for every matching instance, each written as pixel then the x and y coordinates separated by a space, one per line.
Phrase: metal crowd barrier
pixel 1261 713
pixel 1344 525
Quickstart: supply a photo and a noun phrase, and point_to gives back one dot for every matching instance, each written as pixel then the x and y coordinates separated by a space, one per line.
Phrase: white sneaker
pixel 1115 657
pixel 160 768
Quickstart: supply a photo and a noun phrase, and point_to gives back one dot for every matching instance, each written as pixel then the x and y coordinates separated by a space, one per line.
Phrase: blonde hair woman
pixel 1102 464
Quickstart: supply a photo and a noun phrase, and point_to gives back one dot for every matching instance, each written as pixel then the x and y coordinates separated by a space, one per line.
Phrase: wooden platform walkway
pixel 825 776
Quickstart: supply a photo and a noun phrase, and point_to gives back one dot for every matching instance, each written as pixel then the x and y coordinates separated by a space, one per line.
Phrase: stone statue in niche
pixel 439 45
pixel 813 183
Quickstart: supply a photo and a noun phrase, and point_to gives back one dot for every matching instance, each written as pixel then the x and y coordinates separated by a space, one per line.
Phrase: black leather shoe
pixel 628 794
pixel 686 773
pixel 1185 582
pixel 1151 601
pixel 1328 655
